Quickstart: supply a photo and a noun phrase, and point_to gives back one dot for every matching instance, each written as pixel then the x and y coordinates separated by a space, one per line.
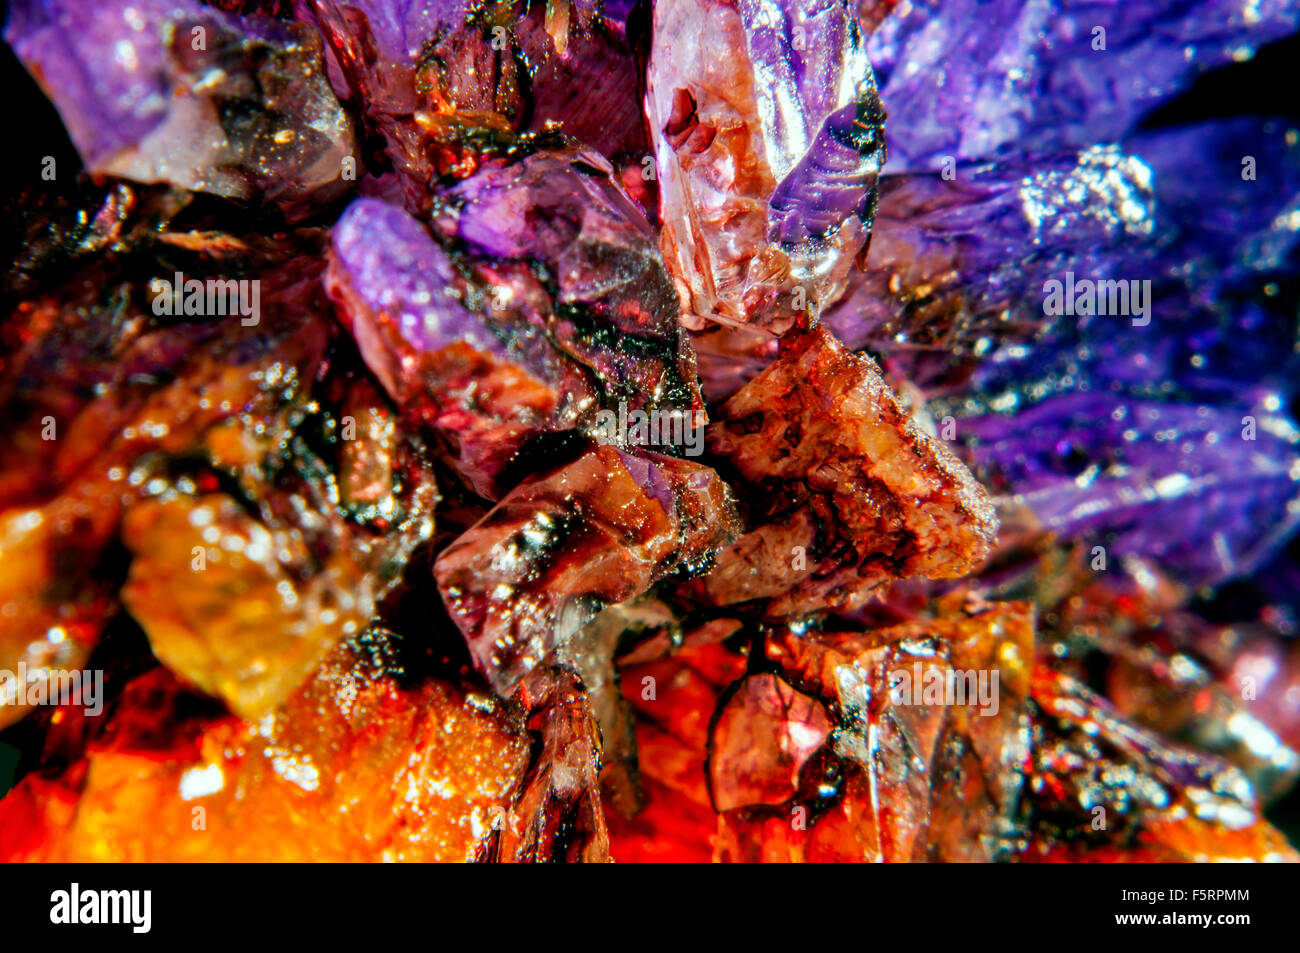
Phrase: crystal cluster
pixel 588 430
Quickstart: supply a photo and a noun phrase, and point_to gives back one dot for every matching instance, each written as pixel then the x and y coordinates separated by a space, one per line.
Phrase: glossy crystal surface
pixel 705 430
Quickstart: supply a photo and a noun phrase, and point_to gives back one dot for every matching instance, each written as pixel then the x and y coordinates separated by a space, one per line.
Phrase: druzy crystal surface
pixel 671 430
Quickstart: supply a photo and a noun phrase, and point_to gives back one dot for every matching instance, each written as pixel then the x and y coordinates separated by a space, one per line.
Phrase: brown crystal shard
pixel 352 767
pixel 437 89
pixel 764 735
pixel 244 599
pixel 559 816
pixel 524 581
pixel 846 491
pixel 933 724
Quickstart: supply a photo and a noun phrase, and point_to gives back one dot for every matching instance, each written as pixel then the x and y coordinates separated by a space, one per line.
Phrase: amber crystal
pixel 351 767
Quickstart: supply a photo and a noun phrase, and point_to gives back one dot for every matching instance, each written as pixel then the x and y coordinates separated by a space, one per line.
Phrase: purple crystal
pixel 1207 491
pixel 486 380
pixel 1211 335
pixel 593 89
pixel 396 268
pixel 124 97
pixel 958 261
pixel 826 188
pixel 973 80
pixel 564 210
pixel 400 28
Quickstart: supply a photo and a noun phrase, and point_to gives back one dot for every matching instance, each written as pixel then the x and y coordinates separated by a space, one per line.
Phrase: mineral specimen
pixel 540 431
pixel 482 350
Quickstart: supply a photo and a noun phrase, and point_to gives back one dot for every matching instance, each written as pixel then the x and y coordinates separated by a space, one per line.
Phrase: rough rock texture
pixel 848 491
